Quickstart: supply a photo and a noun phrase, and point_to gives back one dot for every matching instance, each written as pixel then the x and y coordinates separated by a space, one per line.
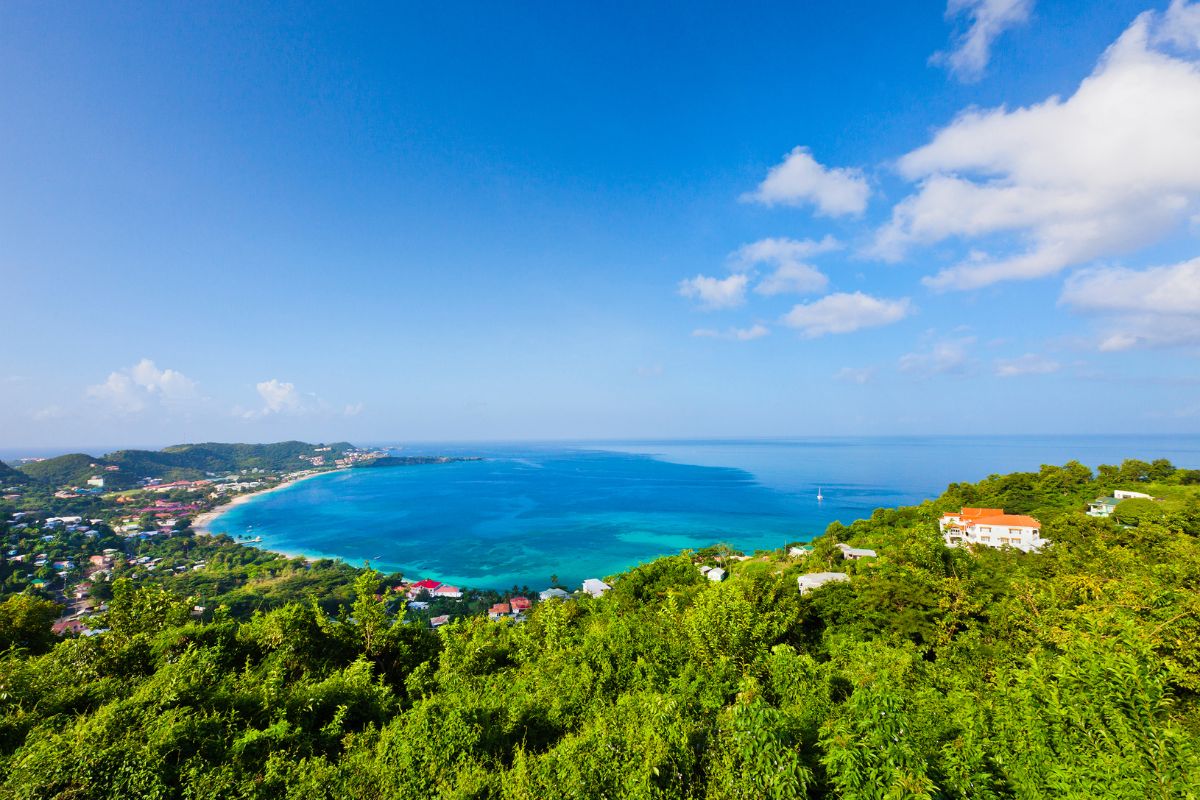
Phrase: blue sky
pixel 491 221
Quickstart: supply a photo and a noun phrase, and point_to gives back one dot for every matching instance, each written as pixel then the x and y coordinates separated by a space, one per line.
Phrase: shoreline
pixel 203 523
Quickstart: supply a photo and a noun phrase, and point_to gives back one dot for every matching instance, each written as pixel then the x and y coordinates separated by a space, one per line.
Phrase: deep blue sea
pixel 530 511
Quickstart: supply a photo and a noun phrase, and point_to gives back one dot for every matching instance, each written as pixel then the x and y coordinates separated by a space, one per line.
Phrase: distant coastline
pixel 203 524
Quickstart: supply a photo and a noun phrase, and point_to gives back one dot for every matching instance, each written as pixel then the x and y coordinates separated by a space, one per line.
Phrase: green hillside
pixel 10 476
pixel 73 468
pixel 178 462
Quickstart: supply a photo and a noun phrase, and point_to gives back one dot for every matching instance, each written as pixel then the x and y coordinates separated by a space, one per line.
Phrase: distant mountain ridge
pixel 177 462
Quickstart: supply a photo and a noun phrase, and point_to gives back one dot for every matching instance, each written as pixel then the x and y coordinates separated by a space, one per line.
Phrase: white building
pixel 595 587
pixel 96 481
pixel 816 580
pixel 716 574
pixel 1105 506
pixel 991 527
pixel 554 592
pixel 855 553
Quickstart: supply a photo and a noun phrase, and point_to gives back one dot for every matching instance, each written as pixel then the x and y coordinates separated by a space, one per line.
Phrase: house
pixel 816 580
pixel 418 605
pixel 716 574
pixel 595 587
pixel 97 481
pixel 67 626
pixel 446 590
pixel 519 604
pixel 437 622
pixel 798 552
pixel 422 586
pixel 1105 506
pixel 854 553
pixel 1102 506
pixel 993 528
pixel 499 610
pixel 554 592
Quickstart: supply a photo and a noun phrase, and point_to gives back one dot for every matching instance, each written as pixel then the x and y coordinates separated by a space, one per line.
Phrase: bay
pixel 576 510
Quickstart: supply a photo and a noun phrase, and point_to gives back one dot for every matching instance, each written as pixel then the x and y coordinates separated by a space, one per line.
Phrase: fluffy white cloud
pixel 279 397
pixel 801 179
pixel 1028 364
pixel 844 312
pixel 1180 25
pixel 1142 308
pixel 715 293
pixel 132 389
pixel 987 19
pixel 949 357
pixel 859 375
pixel 790 275
pixel 1111 168
pixel 756 331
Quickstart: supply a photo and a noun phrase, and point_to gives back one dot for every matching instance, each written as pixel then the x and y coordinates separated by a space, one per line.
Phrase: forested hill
pixel 178 462
pixel 931 673
pixel 10 476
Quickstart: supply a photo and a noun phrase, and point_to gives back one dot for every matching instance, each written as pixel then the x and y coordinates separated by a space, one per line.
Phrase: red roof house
pixel 519 604
pixel 422 586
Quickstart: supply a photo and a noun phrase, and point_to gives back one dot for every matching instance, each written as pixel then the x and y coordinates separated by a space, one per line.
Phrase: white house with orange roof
pixel 993 528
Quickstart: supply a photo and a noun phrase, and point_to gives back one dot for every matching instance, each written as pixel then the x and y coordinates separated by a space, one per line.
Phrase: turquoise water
pixel 576 511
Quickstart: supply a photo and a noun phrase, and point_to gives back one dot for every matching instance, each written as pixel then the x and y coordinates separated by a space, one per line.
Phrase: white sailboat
pixel 820 496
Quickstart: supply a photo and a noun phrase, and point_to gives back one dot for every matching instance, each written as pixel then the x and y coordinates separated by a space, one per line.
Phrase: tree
pixel 26 622
pixel 369 613
pixel 1136 510
pixel 146 609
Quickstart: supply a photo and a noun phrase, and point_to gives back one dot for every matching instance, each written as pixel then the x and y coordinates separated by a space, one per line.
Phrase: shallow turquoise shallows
pixel 528 512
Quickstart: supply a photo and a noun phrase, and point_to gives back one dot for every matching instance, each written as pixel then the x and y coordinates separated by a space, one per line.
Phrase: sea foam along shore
pixel 204 523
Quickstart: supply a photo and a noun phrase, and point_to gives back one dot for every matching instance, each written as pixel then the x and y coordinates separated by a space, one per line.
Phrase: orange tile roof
pixel 982 512
pixel 1014 520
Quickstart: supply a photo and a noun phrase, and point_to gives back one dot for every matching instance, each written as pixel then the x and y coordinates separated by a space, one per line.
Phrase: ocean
pixel 528 512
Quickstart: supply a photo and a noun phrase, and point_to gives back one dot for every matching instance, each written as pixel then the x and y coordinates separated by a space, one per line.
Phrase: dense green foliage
pixel 60 470
pixel 10 476
pixel 934 672
pixel 178 462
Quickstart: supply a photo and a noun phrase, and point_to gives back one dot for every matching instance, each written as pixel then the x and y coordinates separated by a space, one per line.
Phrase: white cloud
pixel 949 357
pixel 279 397
pixel 1113 167
pixel 352 409
pixel 651 371
pixel 859 375
pixel 1142 308
pixel 800 179
pixel 756 331
pixel 1028 364
pixel 844 313
pixel 132 389
pixel 791 274
pixel 987 20
pixel 1180 25
pixel 716 293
